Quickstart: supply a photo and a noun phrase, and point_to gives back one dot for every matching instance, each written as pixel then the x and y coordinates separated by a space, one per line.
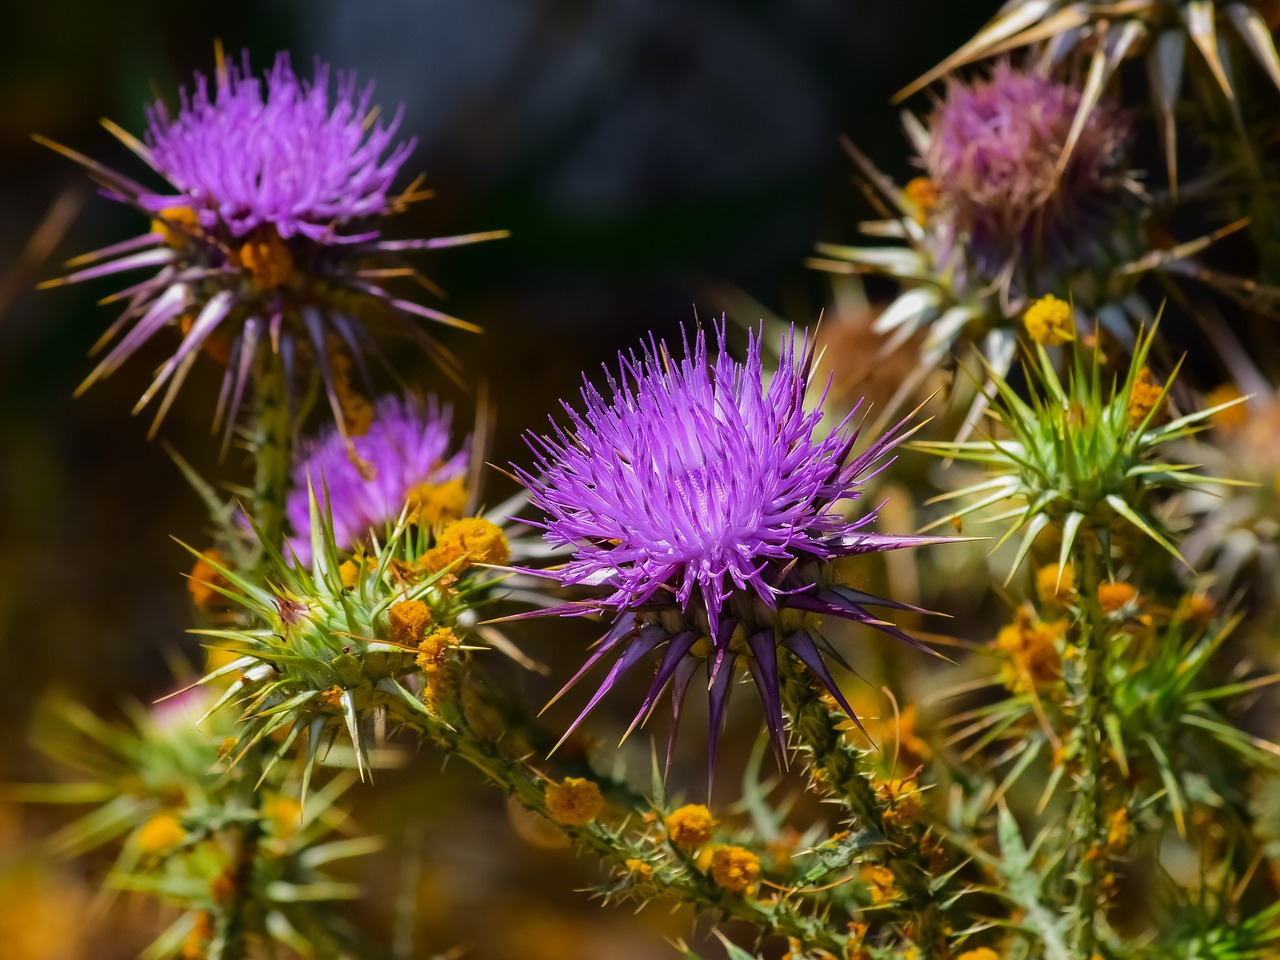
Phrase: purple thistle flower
pixel 269 240
pixel 707 505
pixel 370 478
pixel 995 159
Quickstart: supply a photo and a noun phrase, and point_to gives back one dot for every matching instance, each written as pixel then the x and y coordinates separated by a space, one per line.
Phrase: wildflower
pixel 409 620
pixel 1119 830
pixel 995 154
pixel 1049 321
pixel 198 938
pixel 575 802
pixel 369 479
pixel 1032 648
pixel 205 580
pixel 922 192
pixel 1229 418
pixel 467 541
pixel 268 235
pixel 1071 460
pixel 639 869
pixel 434 504
pixel 1144 397
pixel 690 826
pixel 226 746
pixel 284 814
pixel 901 797
pixel 705 506
pixel 1114 597
pixel 1196 608
pixel 434 647
pixel 1055 584
pixel 982 953
pixel 735 869
pixel 884 885
pixel 160 834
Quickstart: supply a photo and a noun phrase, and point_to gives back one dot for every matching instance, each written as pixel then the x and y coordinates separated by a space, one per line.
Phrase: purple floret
pixel 995 154
pixel 370 477
pixel 247 152
pixel 704 500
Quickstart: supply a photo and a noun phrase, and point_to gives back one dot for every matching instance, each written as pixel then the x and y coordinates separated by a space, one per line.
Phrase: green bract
pixel 326 649
pixel 1076 454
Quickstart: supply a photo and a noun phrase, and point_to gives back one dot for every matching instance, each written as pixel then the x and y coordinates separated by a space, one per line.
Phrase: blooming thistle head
pixel 700 498
pixel 268 238
pixel 405 457
pixel 997 157
pixel 1016 201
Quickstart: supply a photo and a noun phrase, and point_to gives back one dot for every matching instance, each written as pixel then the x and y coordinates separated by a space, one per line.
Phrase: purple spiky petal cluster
pixel 245 152
pixel 707 502
pixel 368 479
pixel 995 157
pixel 268 246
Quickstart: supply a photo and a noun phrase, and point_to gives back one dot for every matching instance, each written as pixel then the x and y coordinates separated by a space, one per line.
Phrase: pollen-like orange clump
pixel 884 886
pixel 198 938
pixel 434 504
pixel 284 814
pixel 266 259
pixel 1049 321
pixel 1232 418
pixel 434 647
pixel 205 578
pixel 575 802
pixel 923 192
pixel 1032 647
pixel 1116 596
pixel 1143 397
pixel 467 541
pixel 174 223
pixel 160 834
pixel 736 869
pixel 690 826
pixel 1055 584
pixel 639 869
pixel 409 620
pixel 982 953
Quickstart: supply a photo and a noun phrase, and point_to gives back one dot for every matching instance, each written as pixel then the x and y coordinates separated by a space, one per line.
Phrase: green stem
pixel 1087 815
pixel 781 916
pixel 817 733
pixel 271 435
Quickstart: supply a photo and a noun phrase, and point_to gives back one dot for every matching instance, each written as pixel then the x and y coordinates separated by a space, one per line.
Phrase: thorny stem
pixel 780 915
pixel 271 436
pixel 838 766
pixel 1088 814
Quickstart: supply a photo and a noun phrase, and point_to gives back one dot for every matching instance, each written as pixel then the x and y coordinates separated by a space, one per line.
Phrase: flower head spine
pixel 704 501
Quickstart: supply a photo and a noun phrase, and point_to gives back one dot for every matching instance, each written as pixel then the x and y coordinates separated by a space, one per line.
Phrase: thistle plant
pixel 1088 779
pixel 268 236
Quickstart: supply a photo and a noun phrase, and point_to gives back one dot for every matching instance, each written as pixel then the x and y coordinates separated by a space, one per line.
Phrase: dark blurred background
pixel 642 152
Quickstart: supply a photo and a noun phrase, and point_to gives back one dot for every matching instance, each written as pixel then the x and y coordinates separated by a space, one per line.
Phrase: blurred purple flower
pixel 270 237
pixel 707 506
pixel 370 478
pixel 995 158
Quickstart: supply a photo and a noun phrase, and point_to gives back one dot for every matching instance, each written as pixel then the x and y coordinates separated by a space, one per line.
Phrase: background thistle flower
pixel 270 239
pixel 704 502
pixel 1007 213
pixel 404 457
